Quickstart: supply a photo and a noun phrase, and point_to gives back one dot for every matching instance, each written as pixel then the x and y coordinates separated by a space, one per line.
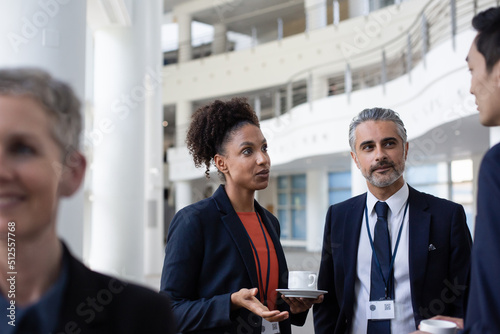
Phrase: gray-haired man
pixel 392 256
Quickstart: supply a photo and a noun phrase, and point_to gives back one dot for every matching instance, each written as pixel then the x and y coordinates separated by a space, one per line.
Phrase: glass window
pixel 462 192
pixel 339 187
pixel 299 199
pixel 339 180
pixel 299 226
pixel 292 206
pixel 299 181
pixel 461 170
pixel 338 196
pixel 462 173
pixel 378 4
pixel 283 182
pixel 282 217
pixel 439 190
pixel 450 180
pixel 430 178
pixel 426 174
pixel 283 199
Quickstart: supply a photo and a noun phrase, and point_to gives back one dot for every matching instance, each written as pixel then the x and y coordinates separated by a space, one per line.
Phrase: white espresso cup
pixel 302 280
pixel 438 326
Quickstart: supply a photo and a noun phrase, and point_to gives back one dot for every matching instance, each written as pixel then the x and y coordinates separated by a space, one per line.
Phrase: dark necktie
pixel 382 246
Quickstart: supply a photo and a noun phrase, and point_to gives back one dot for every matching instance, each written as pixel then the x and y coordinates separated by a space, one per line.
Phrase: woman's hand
pixel 245 298
pixel 299 305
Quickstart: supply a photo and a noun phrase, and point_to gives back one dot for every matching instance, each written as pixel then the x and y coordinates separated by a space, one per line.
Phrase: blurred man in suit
pixel 483 309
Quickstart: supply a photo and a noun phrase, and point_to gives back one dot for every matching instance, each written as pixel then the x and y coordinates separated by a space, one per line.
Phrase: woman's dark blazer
pixel 208 257
pixel 99 304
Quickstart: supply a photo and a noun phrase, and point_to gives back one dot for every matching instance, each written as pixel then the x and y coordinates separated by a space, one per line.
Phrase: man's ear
pixel 220 163
pixel 496 73
pixel 407 145
pixel 355 159
pixel 72 173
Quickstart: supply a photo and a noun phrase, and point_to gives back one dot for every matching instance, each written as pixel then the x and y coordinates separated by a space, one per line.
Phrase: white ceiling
pixel 169 4
pixel 468 136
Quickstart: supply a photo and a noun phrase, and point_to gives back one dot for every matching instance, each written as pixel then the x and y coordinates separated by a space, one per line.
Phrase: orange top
pixel 251 223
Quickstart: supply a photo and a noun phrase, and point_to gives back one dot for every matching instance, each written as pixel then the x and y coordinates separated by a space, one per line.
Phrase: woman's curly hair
pixel 211 126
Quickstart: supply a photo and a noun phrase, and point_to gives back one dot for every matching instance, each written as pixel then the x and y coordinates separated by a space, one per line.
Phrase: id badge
pixel 380 309
pixel 270 327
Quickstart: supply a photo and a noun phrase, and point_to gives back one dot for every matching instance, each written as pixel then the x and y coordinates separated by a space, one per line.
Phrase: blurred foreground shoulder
pixel 97 303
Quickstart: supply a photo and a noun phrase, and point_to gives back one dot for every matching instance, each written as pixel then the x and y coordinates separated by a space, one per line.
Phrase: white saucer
pixel 301 293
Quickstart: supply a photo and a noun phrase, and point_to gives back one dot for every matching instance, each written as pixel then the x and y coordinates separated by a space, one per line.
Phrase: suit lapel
pixel 81 285
pixel 352 228
pixel 419 228
pixel 237 231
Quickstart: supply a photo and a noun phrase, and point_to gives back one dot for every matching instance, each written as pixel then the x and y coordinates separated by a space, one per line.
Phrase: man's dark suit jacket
pixel 438 277
pixel 483 310
pixel 95 303
pixel 208 257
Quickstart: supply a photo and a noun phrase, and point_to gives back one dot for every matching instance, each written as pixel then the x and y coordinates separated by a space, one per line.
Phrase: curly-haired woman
pixel 224 260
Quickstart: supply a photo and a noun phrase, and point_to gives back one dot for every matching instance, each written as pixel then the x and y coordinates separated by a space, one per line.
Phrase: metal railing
pixel 437 22
pixel 201 47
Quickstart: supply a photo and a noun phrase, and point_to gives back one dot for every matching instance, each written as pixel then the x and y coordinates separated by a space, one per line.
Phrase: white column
pixel 494 135
pixel 126 83
pixel 153 241
pixel 358 8
pixel 315 14
pixel 258 106
pixel 358 181
pixel 476 164
pixel 183 194
pixel 220 39
pixel 316 207
pixel 184 22
pixel 336 12
pixel 183 112
pixel 255 40
pixel 50 35
pixel 277 103
pixel 319 89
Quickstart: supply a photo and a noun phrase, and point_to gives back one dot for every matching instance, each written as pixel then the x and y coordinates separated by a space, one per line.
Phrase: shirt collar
pixel 396 202
pixel 49 306
pixel 47 309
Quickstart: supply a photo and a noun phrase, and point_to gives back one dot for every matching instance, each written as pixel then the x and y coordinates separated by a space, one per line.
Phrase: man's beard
pixel 387 179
